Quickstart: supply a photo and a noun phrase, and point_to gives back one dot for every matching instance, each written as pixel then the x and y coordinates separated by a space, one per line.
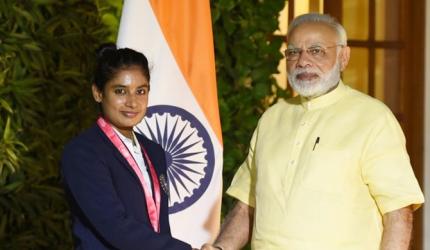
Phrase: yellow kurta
pixel 322 172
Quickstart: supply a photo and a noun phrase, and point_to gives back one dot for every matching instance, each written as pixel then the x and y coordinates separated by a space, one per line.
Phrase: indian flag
pixel 176 37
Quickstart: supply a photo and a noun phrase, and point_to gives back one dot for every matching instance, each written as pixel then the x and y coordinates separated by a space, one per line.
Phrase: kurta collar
pixel 326 99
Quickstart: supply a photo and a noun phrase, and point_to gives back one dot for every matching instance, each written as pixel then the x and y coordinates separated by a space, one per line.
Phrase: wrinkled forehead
pixel 313 33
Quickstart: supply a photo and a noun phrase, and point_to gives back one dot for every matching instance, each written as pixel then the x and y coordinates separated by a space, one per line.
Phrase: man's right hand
pixel 210 247
pixel 207 247
pixel 236 229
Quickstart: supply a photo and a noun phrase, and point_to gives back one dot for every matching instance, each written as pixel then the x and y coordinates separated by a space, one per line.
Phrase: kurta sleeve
pixel 387 169
pixel 243 184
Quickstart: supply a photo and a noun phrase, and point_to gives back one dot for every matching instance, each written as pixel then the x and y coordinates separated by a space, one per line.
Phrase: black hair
pixel 110 60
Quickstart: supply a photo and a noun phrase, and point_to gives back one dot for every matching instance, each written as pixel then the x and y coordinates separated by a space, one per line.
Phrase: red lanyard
pixel 152 206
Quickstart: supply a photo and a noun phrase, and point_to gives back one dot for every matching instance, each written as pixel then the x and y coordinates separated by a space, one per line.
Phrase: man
pixel 328 169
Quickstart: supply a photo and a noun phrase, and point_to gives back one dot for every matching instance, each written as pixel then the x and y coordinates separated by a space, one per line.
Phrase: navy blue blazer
pixel 106 199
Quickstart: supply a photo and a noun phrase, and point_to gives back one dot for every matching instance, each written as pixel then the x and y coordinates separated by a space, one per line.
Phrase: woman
pixel 115 179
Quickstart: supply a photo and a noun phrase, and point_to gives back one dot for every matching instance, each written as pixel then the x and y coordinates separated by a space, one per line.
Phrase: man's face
pixel 316 59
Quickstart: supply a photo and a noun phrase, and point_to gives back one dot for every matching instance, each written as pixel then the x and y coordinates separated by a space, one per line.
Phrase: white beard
pixel 316 87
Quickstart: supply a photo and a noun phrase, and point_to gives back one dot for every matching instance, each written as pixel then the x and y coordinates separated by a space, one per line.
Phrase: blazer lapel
pixel 119 157
pixel 154 156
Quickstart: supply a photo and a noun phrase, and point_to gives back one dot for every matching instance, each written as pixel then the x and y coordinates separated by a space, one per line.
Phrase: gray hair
pixel 319 18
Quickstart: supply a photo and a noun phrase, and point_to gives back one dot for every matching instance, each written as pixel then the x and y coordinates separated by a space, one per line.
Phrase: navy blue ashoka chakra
pixel 189 152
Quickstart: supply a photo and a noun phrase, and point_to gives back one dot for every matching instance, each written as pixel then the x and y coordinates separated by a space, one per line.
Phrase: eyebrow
pixel 319 44
pixel 125 86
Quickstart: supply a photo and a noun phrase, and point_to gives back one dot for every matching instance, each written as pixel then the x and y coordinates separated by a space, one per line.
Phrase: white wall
pixel 427 132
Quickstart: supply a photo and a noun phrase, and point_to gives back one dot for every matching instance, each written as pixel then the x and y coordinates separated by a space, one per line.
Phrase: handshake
pixel 208 246
pixel 236 229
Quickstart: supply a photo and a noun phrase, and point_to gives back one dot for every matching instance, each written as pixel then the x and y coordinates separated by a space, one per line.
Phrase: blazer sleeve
pixel 88 181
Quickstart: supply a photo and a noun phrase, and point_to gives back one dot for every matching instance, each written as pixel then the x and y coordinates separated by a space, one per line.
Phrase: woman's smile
pixel 124 99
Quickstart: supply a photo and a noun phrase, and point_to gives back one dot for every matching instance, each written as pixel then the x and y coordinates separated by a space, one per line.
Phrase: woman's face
pixel 124 99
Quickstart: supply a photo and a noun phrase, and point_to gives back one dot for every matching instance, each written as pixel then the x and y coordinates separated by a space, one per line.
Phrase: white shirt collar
pixel 132 144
